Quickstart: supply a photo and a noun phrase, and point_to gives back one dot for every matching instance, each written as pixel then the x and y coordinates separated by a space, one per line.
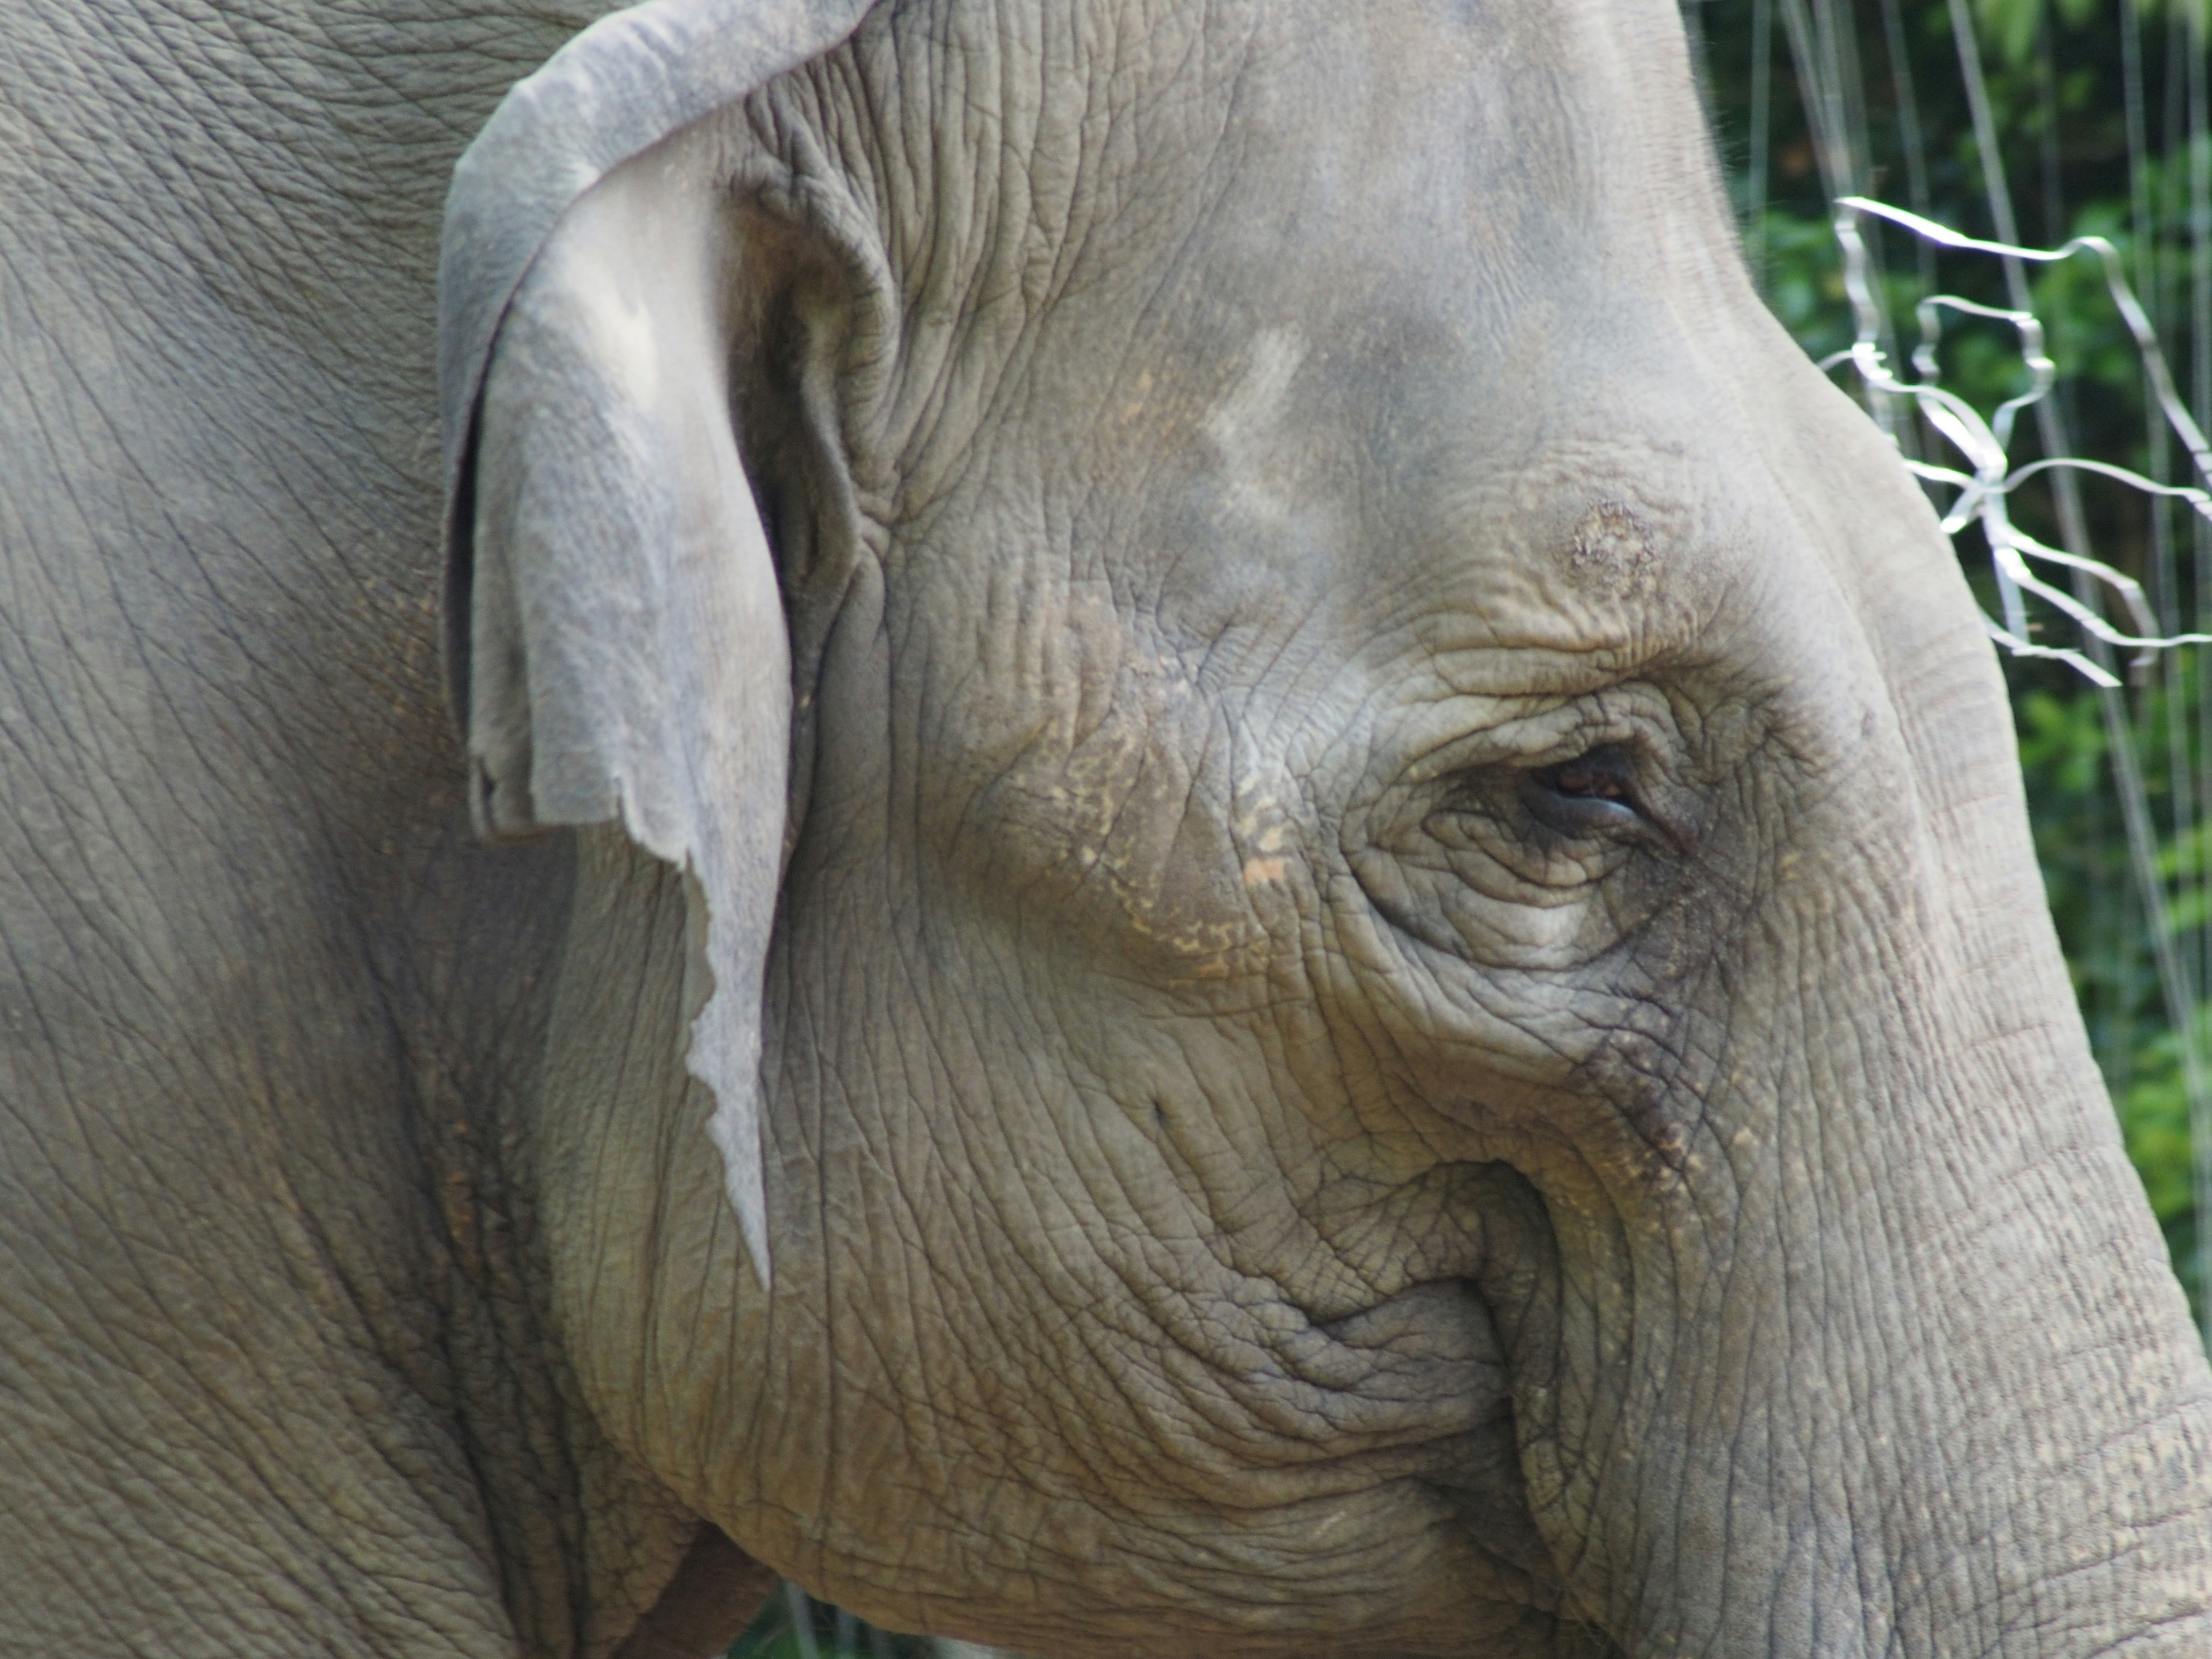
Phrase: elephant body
pixel 1252 889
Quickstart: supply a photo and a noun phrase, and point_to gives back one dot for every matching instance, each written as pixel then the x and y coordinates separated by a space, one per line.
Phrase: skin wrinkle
pixel 398 1606
pixel 1181 1430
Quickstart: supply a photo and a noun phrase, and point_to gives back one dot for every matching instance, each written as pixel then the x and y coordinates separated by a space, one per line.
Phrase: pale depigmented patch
pixel 1612 552
pixel 1245 426
pixel 1263 830
pixel 1257 398
pixel 1135 408
pixel 1263 827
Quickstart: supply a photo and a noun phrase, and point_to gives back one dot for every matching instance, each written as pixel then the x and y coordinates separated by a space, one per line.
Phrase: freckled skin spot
pixel 1257 871
pixel 1612 551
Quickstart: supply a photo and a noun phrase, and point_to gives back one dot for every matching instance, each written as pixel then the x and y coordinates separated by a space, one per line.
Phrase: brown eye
pixel 1587 777
pixel 1592 793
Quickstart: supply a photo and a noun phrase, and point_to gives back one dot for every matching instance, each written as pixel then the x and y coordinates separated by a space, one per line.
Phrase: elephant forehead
pixel 1311 499
pixel 1375 368
pixel 1068 195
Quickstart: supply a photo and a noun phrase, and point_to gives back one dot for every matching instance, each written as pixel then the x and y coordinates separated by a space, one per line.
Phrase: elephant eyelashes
pixel 1590 794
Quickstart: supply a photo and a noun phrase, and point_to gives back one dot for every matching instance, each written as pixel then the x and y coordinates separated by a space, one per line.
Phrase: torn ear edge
pixel 616 641
pixel 622 85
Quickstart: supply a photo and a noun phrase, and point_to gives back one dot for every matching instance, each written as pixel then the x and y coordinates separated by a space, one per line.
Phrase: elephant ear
pixel 615 638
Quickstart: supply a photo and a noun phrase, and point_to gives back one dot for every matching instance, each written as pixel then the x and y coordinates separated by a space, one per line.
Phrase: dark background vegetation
pixel 2099 108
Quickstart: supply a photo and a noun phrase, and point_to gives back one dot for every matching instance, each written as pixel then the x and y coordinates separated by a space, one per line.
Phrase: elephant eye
pixel 1591 793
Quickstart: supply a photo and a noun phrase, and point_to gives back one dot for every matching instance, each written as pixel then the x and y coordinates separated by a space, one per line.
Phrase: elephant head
pixel 1335 857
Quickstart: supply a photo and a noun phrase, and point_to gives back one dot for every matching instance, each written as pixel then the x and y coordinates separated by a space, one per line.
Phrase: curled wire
pixel 1990 478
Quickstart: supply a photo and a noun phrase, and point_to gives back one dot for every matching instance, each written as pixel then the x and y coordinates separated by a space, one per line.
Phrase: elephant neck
pixel 265 174
pixel 218 241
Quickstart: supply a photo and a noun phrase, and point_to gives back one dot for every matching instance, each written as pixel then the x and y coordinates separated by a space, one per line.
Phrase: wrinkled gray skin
pixel 1256 1159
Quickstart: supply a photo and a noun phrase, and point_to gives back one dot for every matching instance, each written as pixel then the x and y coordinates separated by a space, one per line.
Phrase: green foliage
pixel 2082 846
pixel 794 1626
pixel 2055 80
pixel 2012 27
pixel 1804 281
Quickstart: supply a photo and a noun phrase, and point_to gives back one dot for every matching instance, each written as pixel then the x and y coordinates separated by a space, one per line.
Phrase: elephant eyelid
pixel 1596 792
pixel 1603 774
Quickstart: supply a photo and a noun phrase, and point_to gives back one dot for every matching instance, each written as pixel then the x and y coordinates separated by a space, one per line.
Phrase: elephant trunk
pixel 1880 1354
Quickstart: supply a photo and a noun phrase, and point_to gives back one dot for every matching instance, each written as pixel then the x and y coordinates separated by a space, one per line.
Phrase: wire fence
pixel 1865 98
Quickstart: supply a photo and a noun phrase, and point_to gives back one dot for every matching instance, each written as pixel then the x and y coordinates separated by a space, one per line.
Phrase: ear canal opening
pixel 811 356
pixel 815 299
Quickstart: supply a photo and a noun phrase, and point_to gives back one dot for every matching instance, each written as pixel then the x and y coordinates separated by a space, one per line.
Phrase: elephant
pixel 1223 876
